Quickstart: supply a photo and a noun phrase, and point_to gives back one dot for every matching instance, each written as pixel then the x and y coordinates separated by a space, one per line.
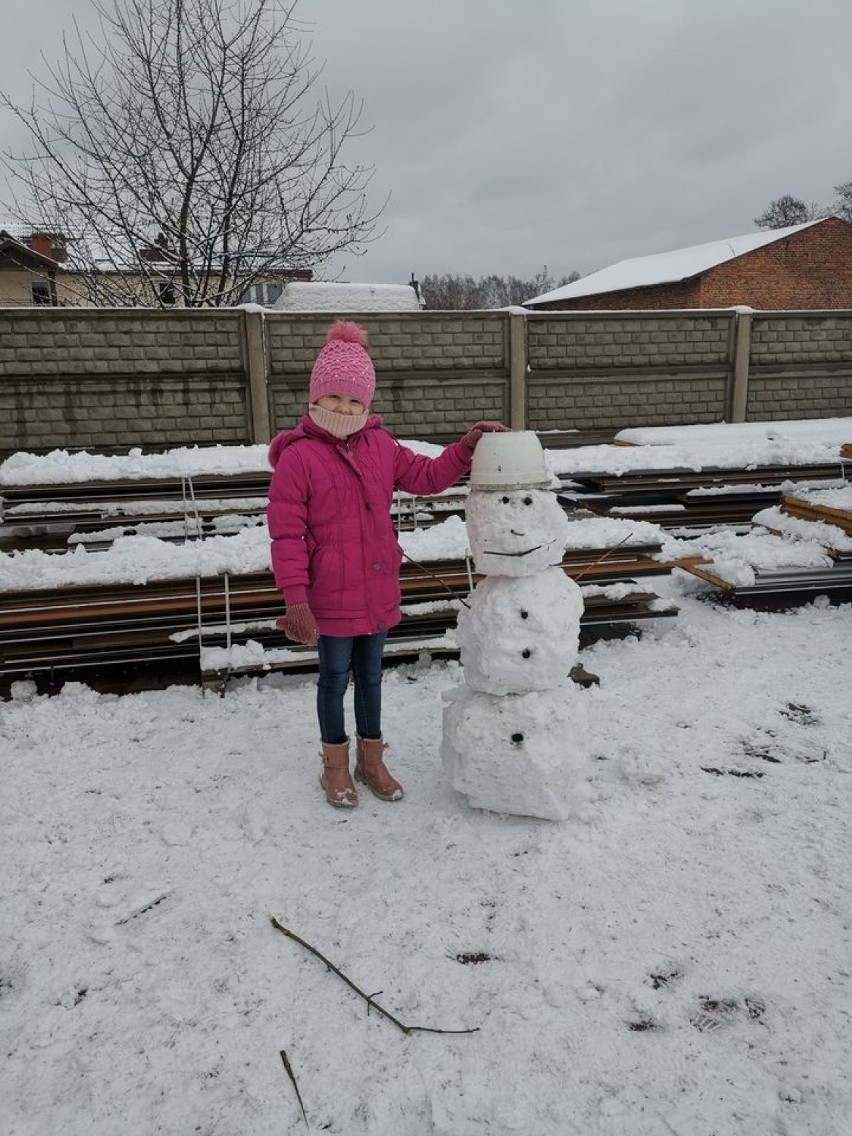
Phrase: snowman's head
pixel 515 532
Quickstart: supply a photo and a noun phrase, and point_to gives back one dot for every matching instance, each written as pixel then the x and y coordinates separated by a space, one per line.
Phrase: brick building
pixel 28 270
pixel 800 267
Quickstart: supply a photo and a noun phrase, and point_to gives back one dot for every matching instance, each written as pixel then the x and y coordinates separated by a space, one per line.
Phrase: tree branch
pixel 368 998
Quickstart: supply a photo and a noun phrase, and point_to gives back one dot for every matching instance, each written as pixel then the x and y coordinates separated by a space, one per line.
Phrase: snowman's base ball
pixel 519 754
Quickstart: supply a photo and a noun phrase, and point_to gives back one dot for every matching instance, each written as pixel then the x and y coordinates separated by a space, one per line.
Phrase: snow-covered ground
pixel 676 961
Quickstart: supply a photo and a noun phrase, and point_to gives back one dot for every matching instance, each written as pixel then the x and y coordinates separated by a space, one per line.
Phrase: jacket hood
pixel 307 428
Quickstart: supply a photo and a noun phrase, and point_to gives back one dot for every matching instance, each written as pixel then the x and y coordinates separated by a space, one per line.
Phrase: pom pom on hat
pixel 344 366
pixel 347 331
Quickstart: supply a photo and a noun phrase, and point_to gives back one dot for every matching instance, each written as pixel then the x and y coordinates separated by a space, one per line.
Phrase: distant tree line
pixel 789 210
pixel 461 292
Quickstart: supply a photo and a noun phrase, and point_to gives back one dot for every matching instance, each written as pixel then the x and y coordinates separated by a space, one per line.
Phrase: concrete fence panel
pixel 800 365
pixel 104 378
pixel 593 372
pixel 111 378
pixel 435 371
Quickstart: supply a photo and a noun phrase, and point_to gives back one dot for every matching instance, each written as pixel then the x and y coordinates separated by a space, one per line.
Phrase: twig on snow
pixel 289 1070
pixel 368 998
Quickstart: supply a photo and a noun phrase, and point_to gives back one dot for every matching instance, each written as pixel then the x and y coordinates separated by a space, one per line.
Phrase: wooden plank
pixel 704 574
pixel 813 511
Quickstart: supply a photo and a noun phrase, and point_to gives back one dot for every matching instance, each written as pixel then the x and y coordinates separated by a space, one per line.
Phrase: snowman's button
pixel 526 652
pixel 376 566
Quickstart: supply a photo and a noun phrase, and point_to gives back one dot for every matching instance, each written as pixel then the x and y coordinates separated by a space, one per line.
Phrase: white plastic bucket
pixel 512 460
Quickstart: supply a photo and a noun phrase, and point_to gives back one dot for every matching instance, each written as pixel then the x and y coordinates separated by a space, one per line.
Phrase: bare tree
pixel 186 143
pixel 843 201
pixel 787 210
pixel 455 292
pixel 452 292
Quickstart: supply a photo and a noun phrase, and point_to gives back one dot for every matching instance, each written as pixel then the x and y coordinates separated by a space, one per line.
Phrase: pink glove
pixel 476 431
pixel 299 624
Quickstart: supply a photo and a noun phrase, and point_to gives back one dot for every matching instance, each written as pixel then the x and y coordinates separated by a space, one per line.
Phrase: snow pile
pixel 733 453
pixel 821 532
pixel 137 560
pixel 830 431
pixel 737 558
pixel 835 497
pixel 142 559
pixel 60 467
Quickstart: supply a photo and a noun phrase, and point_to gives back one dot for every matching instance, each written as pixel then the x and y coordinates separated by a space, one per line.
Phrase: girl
pixel 334 549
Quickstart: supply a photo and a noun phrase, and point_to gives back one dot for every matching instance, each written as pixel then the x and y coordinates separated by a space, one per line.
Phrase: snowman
pixel 514 736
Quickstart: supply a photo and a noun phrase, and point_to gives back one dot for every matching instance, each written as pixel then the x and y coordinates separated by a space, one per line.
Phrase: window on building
pixel 40 292
pixel 263 294
pixel 167 292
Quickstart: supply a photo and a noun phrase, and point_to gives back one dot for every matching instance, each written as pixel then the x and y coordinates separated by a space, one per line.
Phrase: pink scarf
pixel 338 425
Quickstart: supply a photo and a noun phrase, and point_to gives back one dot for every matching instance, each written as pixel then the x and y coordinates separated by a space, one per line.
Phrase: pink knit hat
pixel 343 366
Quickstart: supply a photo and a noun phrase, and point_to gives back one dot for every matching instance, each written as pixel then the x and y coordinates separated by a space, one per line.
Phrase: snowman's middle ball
pixel 515 532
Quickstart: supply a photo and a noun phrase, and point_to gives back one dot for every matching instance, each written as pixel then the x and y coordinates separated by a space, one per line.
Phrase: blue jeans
pixel 338 655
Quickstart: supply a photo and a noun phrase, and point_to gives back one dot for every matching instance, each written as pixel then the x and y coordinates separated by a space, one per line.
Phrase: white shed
pixel 320 296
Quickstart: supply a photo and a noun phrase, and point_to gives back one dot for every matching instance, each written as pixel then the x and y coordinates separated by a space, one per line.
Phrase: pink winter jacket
pixel 333 543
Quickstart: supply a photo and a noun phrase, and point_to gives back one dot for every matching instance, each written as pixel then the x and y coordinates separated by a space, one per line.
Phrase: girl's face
pixel 341 404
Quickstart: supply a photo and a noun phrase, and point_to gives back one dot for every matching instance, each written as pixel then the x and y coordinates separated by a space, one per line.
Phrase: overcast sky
pixel 566 133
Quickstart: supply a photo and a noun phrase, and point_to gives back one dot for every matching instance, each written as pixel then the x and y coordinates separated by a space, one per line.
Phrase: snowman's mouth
pixel 526 552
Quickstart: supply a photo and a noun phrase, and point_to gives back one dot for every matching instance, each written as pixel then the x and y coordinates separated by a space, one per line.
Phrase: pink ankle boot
pixel 371 770
pixel 335 777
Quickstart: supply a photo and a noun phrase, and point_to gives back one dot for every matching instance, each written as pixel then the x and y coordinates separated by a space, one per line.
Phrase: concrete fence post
pixel 518 371
pixel 742 357
pixel 257 375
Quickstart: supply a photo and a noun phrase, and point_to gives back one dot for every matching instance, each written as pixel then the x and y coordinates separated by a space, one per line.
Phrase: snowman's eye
pixel 528 500
pixel 505 500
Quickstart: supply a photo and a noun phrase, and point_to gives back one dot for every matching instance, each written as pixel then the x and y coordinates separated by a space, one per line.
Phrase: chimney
pixel 44 244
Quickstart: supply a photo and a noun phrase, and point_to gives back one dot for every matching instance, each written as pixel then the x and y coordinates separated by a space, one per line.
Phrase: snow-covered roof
pixel 668 267
pixel 15 230
pixel 320 296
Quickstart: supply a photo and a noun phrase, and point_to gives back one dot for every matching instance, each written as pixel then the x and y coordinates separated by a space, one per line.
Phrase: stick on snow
pixel 368 998
pixel 289 1071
